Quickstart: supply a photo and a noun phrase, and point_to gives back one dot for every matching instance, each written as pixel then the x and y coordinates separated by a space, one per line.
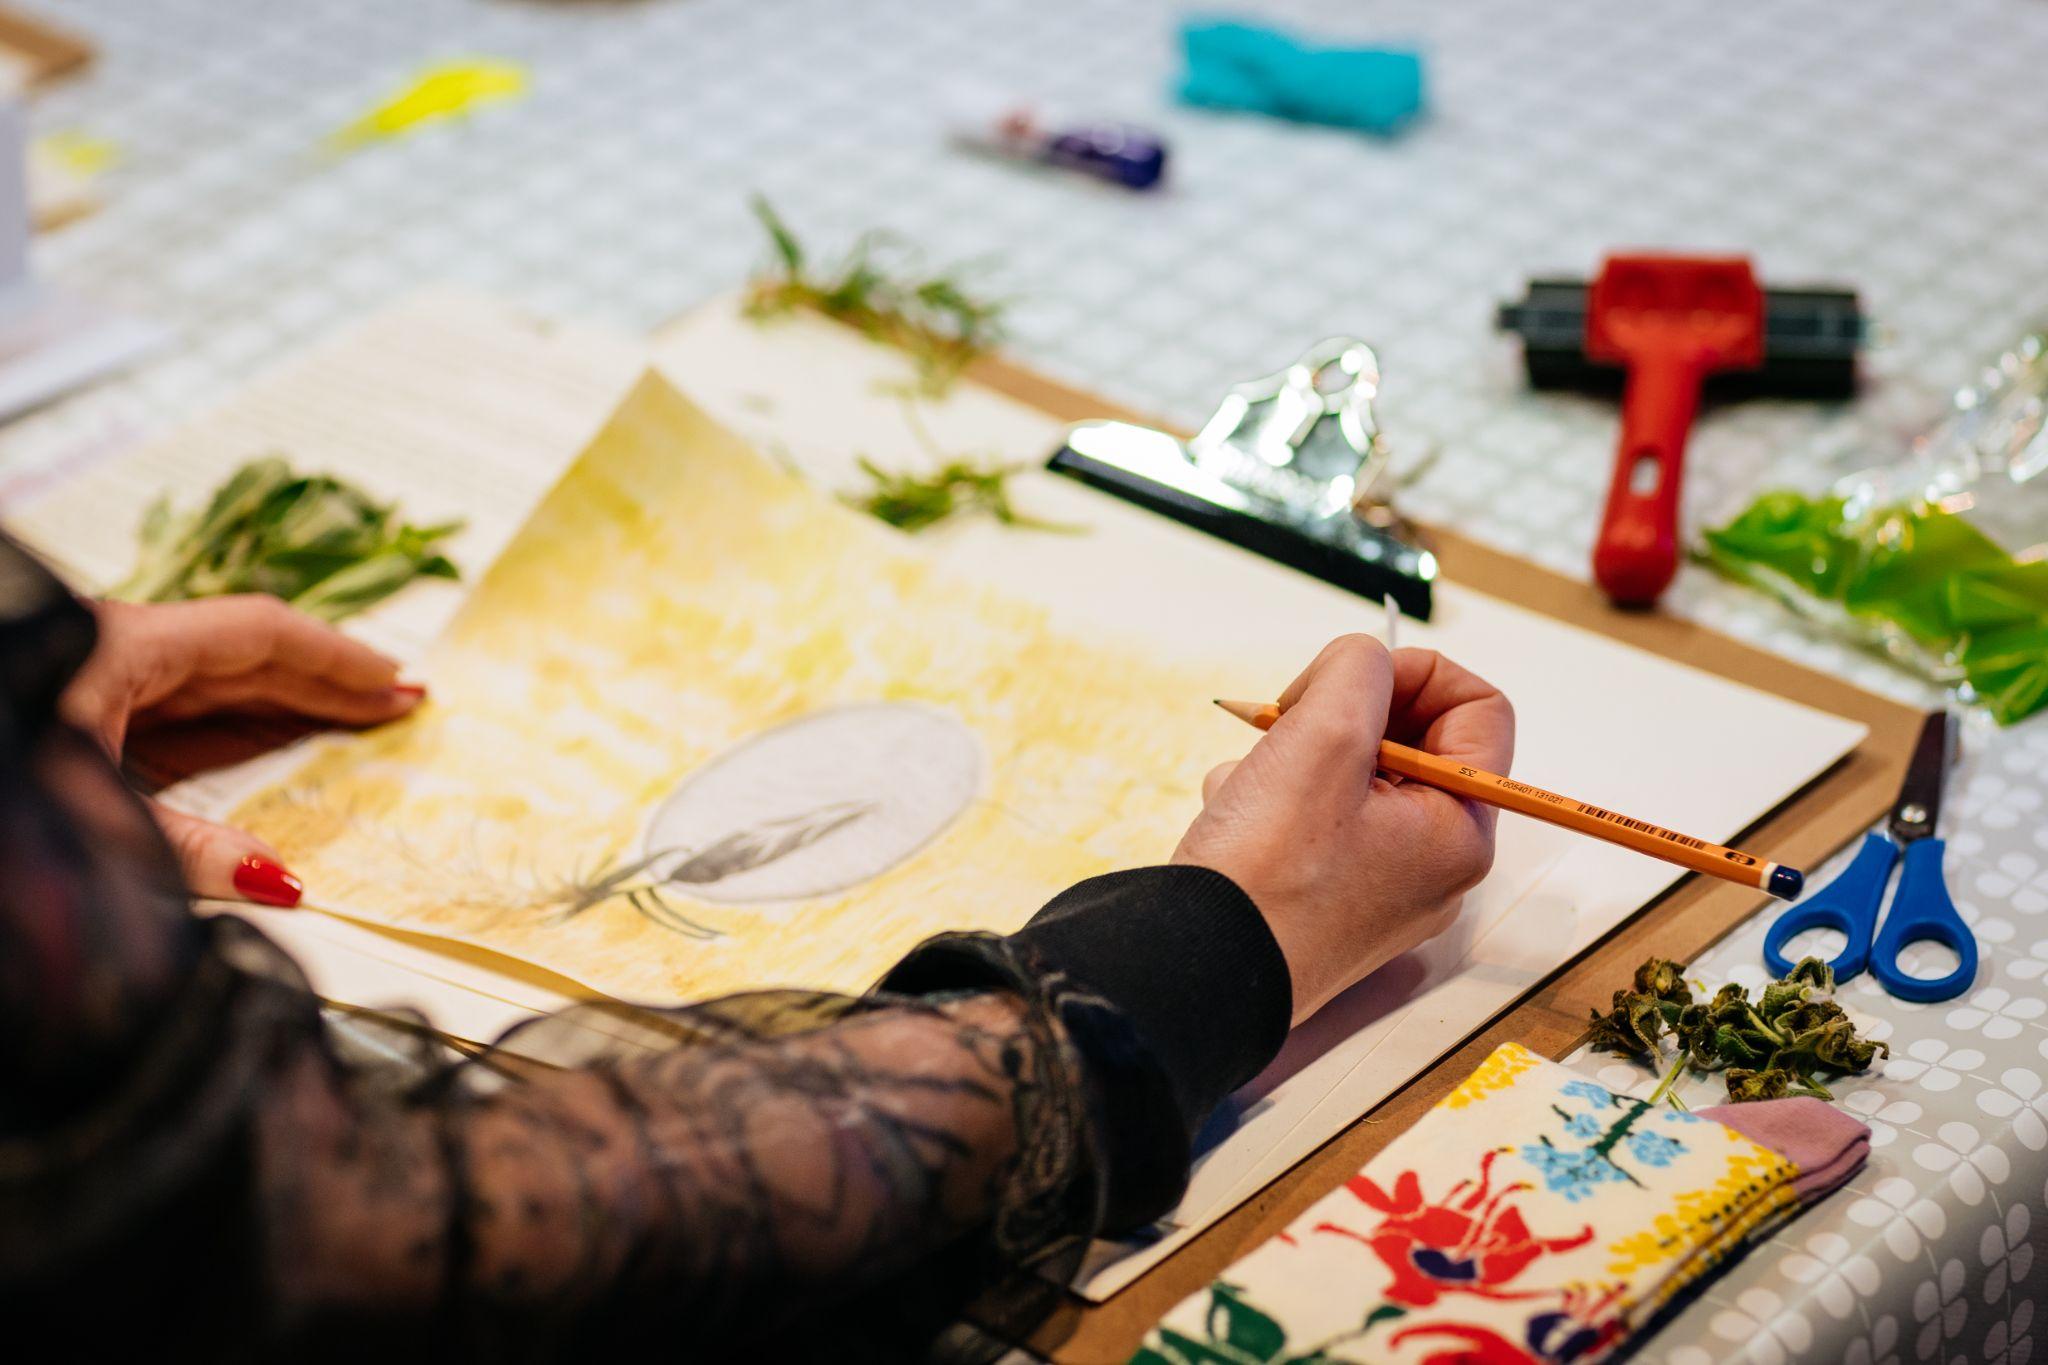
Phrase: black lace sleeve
pixel 803 1175
pixel 197 1160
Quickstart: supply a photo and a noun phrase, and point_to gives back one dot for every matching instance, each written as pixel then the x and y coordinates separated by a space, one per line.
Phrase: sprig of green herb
pixel 1779 1044
pixel 879 288
pixel 320 544
pixel 912 502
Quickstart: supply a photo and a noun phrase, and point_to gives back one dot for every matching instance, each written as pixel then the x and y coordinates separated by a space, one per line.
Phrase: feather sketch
pixel 639 882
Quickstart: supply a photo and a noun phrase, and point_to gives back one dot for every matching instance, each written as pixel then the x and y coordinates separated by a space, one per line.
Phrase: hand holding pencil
pixel 1349 870
pixel 1476 784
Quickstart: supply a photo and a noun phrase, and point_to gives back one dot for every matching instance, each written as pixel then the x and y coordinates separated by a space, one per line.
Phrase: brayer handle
pixel 1636 555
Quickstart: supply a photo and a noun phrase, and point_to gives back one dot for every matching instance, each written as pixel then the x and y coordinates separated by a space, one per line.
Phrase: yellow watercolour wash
pixel 441 91
pixel 674 598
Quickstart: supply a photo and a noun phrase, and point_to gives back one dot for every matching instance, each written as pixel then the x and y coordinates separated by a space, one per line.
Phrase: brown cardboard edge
pixel 1822 817
pixel 46 50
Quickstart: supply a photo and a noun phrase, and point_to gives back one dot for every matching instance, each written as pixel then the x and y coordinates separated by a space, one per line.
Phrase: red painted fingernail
pixel 266 882
pixel 412 690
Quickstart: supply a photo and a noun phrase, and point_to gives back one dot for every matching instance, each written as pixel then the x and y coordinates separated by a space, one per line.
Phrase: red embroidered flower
pixel 1472 1241
pixel 1476 1346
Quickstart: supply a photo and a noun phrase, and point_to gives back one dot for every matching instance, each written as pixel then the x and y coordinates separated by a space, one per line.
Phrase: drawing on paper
pixel 819 805
pixel 702 729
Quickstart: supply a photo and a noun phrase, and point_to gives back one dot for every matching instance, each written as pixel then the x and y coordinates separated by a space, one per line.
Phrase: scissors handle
pixel 1922 912
pixel 1849 903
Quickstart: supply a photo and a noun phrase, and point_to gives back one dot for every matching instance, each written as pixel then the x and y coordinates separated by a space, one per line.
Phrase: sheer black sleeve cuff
pixel 1189 960
pixel 1172 990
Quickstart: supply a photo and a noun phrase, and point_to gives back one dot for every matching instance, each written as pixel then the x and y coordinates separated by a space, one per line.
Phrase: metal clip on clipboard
pixel 1291 466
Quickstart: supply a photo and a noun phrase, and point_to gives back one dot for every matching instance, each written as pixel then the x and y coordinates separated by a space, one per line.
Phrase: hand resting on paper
pixel 1350 870
pixel 252 654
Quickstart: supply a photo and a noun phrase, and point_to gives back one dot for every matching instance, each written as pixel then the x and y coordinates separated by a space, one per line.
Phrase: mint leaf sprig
pixel 321 544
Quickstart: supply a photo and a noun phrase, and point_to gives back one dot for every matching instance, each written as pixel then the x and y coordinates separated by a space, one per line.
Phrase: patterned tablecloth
pixel 1900 146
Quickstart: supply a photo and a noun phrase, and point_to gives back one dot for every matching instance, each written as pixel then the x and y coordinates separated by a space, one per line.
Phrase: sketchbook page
pixel 815 396
pixel 701 729
pixel 450 405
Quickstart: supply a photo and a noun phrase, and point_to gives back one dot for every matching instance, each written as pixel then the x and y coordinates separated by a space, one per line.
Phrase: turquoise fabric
pixel 1248 67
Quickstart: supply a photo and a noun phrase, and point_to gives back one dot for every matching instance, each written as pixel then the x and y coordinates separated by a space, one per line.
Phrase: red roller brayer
pixel 1676 326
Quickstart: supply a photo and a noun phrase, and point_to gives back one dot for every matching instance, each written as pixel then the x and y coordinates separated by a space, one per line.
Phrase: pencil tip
pixel 1250 712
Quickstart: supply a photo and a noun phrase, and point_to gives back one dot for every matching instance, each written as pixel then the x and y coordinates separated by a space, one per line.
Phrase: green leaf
pixel 1386 1312
pixel 912 502
pixel 1924 571
pixel 311 540
pixel 1233 1320
pixel 1188 1351
pixel 879 288
pixel 787 249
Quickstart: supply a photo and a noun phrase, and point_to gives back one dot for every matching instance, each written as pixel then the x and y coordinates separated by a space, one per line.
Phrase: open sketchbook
pixel 1175 609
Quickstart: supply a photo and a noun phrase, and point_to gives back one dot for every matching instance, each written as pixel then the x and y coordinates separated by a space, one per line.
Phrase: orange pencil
pixel 1476 784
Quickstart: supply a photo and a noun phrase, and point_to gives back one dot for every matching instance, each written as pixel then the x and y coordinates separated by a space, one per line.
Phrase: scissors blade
pixel 1919 803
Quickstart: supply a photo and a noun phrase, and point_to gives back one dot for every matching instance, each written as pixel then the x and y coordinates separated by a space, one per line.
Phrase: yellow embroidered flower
pixel 1496 1073
pixel 1756 1184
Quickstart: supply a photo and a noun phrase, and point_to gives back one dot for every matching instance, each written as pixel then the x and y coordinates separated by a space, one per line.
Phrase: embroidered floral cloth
pixel 1531 1218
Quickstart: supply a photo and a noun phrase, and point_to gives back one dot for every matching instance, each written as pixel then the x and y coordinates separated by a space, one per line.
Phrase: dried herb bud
pixel 1664 979
pixel 1780 996
pixel 1631 1028
pixel 1736 1048
pixel 1809 1016
pixel 1838 1047
pixel 1814 972
pixel 1746 1086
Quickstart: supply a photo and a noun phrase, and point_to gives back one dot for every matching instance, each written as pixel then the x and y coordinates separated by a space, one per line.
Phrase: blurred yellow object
pixel 77 152
pixel 444 90
pixel 62 170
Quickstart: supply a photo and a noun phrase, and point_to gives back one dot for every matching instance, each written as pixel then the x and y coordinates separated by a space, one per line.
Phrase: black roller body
pixel 1811 338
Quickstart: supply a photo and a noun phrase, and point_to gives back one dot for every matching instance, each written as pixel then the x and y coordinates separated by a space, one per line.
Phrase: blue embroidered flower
pixel 1575 1175
pixel 1654 1149
pixel 1680 1117
pixel 1583 1126
pixel 1598 1096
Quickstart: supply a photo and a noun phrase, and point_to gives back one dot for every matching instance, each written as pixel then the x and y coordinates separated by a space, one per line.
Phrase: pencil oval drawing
pixel 816 805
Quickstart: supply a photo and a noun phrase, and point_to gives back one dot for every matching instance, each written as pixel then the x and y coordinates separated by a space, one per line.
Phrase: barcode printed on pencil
pixel 1644 826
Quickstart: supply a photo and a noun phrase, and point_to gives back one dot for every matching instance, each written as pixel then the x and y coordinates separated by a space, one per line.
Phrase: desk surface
pixel 1896 145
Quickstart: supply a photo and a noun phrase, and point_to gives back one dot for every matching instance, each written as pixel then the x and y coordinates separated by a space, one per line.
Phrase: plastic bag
pixel 1939 560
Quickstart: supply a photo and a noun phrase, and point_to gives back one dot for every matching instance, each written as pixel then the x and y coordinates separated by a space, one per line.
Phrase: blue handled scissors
pixel 1921 909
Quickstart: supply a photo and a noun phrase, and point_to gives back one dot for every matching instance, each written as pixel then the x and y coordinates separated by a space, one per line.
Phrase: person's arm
pixel 1003 1101
pixel 793 1151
